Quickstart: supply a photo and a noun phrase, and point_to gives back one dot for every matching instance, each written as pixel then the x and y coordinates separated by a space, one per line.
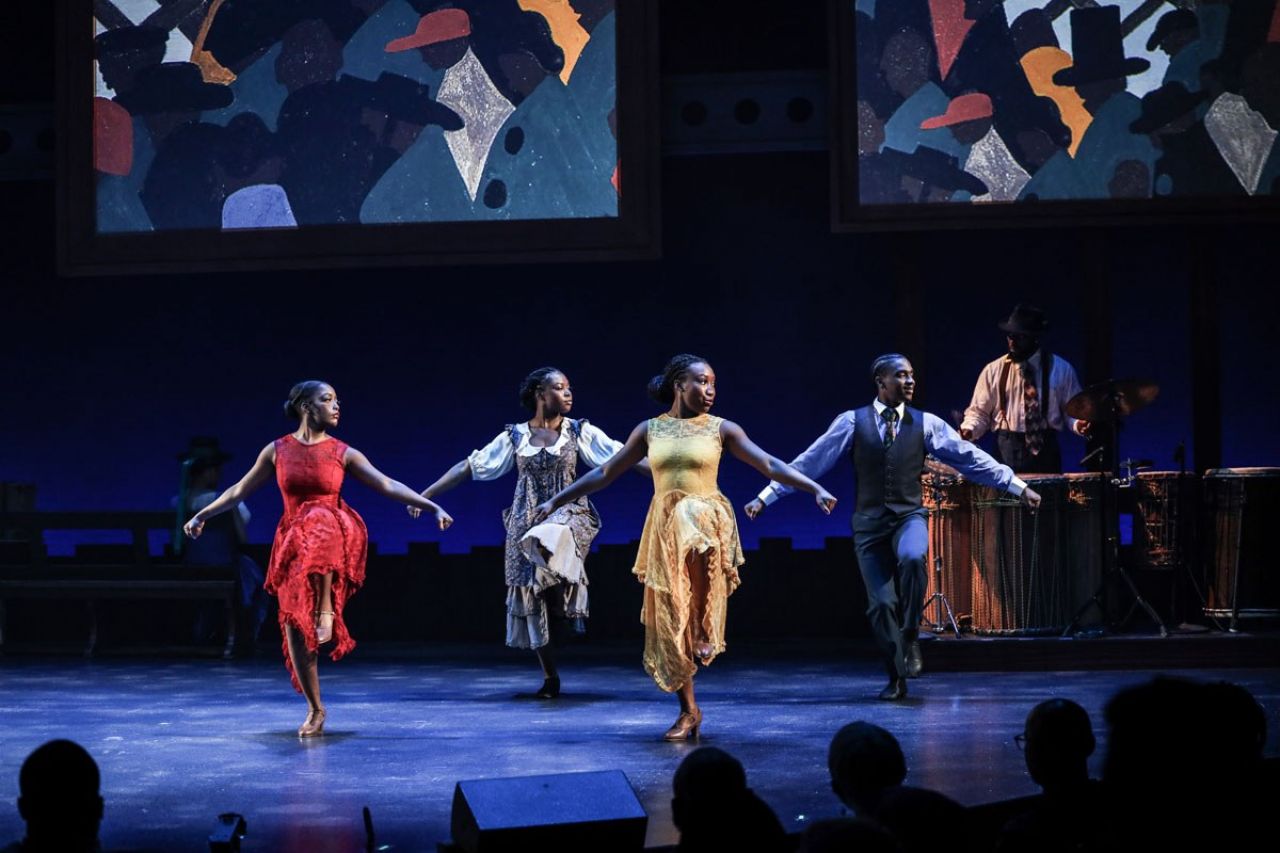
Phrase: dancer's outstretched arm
pixel 772 467
pixel 455 476
pixel 363 470
pixel 261 472
pixel 631 453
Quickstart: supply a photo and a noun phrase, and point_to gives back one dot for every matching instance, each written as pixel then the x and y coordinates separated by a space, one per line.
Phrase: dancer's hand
pixel 826 500
pixel 414 511
pixel 442 518
pixel 194 527
pixel 754 508
pixel 541 511
pixel 1030 499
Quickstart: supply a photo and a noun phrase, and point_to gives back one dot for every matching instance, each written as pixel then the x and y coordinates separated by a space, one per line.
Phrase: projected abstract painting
pixel 972 109
pixel 386 126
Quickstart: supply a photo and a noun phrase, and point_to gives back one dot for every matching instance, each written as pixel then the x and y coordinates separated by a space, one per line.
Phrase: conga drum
pixel 1161 530
pixel 1033 571
pixel 1241 503
pixel 947 497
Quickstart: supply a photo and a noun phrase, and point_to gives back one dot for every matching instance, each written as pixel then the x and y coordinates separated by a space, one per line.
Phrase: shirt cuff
pixel 1017 486
pixel 767 495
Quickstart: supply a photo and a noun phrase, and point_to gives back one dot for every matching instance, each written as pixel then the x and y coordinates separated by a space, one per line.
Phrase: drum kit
pixel 1016 572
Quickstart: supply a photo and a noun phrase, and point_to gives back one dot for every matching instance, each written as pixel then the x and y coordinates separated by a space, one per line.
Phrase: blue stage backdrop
pixel 105 380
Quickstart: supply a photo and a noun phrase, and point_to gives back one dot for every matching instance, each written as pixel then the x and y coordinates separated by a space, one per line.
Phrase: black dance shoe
pixel 915 660
pixel 895 691
pixel 550 688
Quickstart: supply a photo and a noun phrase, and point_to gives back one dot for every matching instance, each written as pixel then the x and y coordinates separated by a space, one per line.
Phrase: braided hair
pixel 663 386
pixel 535 382
pixel 300 395
pixel 884 364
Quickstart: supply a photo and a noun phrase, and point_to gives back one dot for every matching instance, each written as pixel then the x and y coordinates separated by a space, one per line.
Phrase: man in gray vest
pixel 887 442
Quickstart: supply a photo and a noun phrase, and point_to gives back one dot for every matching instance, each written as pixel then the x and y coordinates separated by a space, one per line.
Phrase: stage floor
pixel 180 740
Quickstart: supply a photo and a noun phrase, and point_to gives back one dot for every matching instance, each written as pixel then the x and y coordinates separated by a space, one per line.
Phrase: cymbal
pixel 1114 398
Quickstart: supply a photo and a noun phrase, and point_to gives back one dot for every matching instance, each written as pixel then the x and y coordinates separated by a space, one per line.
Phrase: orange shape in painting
pixel 950 26
pixel 1040 64
pixel 616 178
pixel 565 30
pixel 112 138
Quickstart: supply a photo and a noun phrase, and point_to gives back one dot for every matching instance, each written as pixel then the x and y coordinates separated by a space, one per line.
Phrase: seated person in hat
pixel 1022 398
pixel 224 535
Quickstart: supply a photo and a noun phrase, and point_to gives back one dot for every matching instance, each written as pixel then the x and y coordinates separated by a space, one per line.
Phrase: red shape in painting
pixel 616 178
pixel 1274 34
pixel 950 26
pixel 112 138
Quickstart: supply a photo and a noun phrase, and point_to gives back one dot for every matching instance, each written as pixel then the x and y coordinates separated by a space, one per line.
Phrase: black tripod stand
pixel 1107 403
pixel 937 544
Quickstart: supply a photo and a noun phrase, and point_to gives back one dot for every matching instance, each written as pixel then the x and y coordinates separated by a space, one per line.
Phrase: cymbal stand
pixel 1112 569
pixel 937 540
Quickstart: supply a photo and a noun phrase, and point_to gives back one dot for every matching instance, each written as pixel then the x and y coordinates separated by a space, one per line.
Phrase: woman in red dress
pixel 318 556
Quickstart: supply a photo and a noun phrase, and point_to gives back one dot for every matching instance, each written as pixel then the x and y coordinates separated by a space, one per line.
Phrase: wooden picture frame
pixel 630 230
pixel 863 194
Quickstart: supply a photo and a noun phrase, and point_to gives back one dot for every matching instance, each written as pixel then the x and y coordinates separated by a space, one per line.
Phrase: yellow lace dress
pixel 688 516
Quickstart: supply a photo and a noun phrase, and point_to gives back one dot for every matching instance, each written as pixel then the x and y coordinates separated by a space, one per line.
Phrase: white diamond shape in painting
pixel 468 91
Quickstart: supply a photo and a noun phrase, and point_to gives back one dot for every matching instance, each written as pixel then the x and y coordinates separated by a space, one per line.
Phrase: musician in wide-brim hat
pixel 1022 396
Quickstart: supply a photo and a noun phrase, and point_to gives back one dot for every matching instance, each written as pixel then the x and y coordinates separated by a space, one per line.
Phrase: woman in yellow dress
pixel 689 550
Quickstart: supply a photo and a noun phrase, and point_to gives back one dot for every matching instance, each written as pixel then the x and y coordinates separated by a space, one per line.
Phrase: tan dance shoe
pixel 314 724
pixel 686 726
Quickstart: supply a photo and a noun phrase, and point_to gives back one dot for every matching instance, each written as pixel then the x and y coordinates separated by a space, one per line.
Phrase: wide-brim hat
pixel 403 99
pixel 1172 22
pixel 173 87
pixel 935 168
pixel 1025 320
pixel 434 27
pixel 129 38
pixel 1168 103
pixel 204 448
pixel 1097 48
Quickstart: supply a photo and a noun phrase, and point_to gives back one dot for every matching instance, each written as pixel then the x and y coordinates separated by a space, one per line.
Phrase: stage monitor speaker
pixel 562 812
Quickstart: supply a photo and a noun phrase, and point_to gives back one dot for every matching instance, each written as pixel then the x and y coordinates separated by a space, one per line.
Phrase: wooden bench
pixel 31 573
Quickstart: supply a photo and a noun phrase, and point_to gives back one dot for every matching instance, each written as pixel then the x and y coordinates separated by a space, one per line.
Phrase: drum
pixel 947 498
pixel 1161 531
pixel 1241 504
pixel 1032 572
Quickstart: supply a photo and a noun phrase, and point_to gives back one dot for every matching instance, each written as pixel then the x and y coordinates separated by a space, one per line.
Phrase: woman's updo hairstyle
pixel 300 395
pixel 663 386
pixel 533 383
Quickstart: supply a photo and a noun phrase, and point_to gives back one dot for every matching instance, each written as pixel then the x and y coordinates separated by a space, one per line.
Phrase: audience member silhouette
pixel 867 771
pixel 1069 815
pixel 847 834
pixel 714 810
pixel 865 761
pixel 1180 766
pixel 59 800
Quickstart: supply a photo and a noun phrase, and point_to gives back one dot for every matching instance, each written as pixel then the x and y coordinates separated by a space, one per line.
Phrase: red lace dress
pixel 318 534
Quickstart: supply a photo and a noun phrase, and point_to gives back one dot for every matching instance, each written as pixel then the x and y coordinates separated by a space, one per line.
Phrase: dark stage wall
pixel 105 379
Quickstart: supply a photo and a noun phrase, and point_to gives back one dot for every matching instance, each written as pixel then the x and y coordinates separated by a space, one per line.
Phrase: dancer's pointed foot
pixel 915 660
pixel 895 691
pixel 313 726
pixel 324 626
pixel 686 725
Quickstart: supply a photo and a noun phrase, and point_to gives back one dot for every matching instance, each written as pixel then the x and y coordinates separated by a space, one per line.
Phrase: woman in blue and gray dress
pixel 546 580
